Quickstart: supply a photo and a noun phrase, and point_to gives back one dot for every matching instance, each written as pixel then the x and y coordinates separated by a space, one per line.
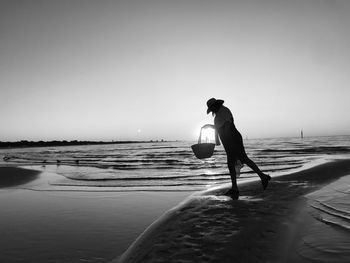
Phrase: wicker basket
pixel 203 150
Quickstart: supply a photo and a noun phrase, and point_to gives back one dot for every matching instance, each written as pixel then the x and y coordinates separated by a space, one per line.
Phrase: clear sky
pixel 119 70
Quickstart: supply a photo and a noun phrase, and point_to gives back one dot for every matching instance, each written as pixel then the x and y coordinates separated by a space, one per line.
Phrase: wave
pixel 170 162
pixel 331 214
pixel 321 149
pixel 174 184
pixel 333 211
pixel 334 223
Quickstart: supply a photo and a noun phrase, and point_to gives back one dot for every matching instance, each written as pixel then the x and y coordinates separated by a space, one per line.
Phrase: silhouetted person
pixel 233 143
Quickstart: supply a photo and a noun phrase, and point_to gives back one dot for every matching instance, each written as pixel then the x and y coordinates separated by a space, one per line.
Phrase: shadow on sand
pixel 13 176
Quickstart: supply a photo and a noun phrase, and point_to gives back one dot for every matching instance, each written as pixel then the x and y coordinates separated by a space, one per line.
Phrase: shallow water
pixel 328 238
pixel 88 206
pixel 75 226
pixel 169 166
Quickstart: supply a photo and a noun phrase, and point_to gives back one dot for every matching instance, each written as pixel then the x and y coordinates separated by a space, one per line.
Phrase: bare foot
pixel 265 180
pixel 233 193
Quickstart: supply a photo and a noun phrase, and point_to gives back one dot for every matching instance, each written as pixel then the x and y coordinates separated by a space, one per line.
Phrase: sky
pixel 143 70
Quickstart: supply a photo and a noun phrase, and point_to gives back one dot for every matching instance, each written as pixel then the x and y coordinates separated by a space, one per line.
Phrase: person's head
pixel 214 105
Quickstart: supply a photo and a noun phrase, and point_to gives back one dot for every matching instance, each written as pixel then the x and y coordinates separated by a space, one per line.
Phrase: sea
pixel 169 166
pixel 91 202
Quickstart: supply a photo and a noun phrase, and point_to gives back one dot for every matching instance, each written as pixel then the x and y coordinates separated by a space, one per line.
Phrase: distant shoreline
pixel 27 144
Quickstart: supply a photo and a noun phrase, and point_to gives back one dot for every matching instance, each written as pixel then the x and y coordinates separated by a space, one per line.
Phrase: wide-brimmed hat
pixel 212 102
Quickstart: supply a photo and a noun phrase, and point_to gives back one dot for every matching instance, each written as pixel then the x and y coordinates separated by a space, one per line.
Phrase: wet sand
pixel 40 224
pixel 10 176
pixel 276 225
pixel 301 217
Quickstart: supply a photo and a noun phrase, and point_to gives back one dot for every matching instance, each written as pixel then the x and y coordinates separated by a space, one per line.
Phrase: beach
pixel 124 123
pixel 158 203
pixel 40 223
pixel 280 224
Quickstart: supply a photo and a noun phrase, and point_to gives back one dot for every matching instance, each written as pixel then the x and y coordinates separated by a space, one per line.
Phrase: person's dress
pixel 230 137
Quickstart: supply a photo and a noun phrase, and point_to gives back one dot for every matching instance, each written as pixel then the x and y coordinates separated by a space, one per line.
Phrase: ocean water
pixel 328 238
pixel 169 166
pixel 91 206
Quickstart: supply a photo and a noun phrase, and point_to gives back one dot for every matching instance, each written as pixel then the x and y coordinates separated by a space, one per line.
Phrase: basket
pixel 203 150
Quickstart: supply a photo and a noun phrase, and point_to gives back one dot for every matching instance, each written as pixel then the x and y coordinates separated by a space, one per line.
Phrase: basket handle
pixel 200 136
pixel 204 127
pixel 217 141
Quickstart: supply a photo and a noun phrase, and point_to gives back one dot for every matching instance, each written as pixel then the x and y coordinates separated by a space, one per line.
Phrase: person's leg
pixel 265 178
pixel 227 140
pixel 233 192
pixel 231 168
pixel 245 159
pixel 253 166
